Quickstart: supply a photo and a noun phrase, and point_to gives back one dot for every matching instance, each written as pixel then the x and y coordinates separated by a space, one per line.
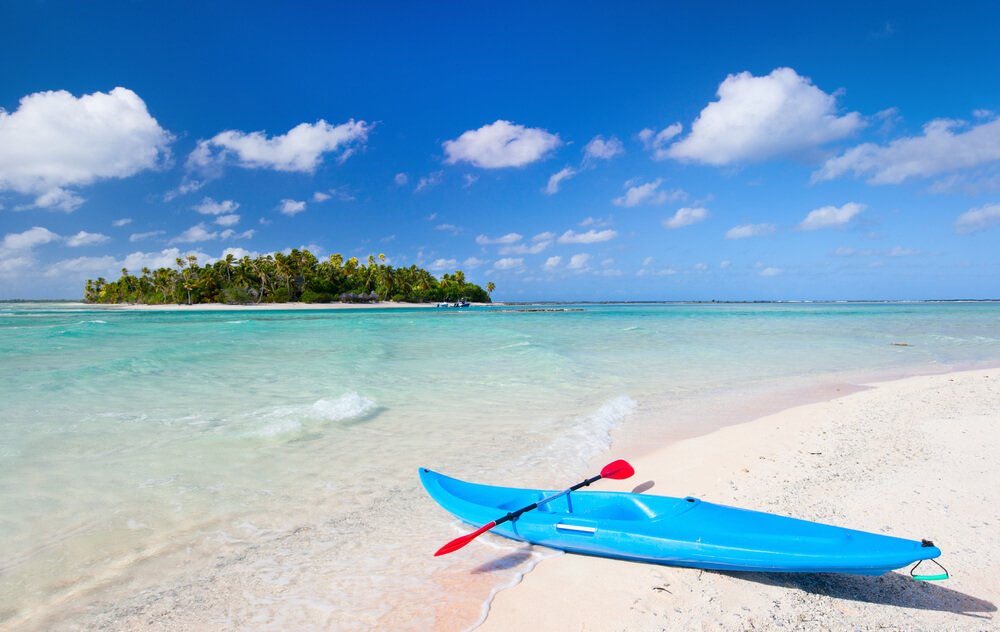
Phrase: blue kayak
pixel 675 531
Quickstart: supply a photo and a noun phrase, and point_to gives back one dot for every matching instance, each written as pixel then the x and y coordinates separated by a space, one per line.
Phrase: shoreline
pixel 261 307
pixel 815 462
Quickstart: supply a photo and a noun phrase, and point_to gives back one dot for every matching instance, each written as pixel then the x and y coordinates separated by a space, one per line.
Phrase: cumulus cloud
pixel 321 196
pixel 83 238
pixel 589 237
pixel 556 179
pixel 945 146
pixel 744 231
pixel 770 272
pixel 757 118
pixel 656 142
pixel 448 228
pixel 685 217
pixel 537 246
pixel 443 264
pixel 291 207
pixel 301 149
pixel 472 263
pixel 509 263
pixel 501 144
pixel 600 149
pixel 509 238
pixel 227 220
pixel 978 219
pixel 208 206
pixel 108 266
pixel 401 179
pixel 125 221
pixel 55 141
pixel 552 263
pixel 648 193
pixel 17 249
pixel 831 216
pixel 200 233
pixel 578 263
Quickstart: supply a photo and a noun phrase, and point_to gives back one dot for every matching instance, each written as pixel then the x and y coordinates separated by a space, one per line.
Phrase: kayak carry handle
pixel 929 578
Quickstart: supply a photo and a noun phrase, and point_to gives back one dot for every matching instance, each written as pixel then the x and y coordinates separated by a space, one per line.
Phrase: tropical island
pixel 297 276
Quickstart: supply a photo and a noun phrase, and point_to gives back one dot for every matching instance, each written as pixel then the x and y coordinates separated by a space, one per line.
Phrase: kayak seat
pixel 612 507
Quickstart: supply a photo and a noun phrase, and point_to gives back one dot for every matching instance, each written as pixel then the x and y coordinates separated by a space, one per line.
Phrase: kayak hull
pixel 675 531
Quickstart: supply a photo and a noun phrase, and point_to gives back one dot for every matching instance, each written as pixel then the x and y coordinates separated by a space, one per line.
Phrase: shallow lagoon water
pixel 258 469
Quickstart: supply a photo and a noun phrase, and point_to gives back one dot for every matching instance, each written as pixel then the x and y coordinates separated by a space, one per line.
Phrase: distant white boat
pixel 461 303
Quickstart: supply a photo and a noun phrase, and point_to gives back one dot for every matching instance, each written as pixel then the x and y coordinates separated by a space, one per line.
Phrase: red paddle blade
pixel 461 541
pixel 618 470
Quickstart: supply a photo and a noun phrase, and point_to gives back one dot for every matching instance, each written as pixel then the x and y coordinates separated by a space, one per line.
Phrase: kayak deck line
pixel 676 531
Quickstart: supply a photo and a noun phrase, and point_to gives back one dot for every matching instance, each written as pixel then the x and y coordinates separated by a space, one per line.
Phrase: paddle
pixel 617 470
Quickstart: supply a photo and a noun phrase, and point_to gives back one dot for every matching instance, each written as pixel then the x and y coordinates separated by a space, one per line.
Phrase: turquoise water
pixel 258 469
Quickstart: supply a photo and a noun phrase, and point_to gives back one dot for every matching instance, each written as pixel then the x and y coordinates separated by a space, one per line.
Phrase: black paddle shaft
pixel 515 514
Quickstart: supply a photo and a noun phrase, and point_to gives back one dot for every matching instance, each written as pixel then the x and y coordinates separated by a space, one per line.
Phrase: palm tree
pixel 490 287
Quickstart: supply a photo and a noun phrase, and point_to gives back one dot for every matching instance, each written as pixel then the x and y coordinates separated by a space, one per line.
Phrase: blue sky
pixel 576 151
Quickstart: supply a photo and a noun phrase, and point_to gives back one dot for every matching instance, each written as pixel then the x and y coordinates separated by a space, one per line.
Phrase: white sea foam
pixel 284 420
pixel 589 436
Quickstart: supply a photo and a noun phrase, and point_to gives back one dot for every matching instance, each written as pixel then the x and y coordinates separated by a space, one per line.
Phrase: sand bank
pixel 914 458
pixel 264 307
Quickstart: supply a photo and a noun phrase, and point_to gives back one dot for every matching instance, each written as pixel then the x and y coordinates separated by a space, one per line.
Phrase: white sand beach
pixel 915 458
pixel 264 307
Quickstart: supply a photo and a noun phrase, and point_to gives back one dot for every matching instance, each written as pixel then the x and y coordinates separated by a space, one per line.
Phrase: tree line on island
pixel 280 278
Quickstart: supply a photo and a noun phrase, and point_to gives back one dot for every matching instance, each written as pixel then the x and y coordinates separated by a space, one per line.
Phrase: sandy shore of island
pixel 915 458
pixel 264 307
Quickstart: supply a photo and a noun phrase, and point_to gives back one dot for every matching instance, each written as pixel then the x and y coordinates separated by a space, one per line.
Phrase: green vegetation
pixel 281 278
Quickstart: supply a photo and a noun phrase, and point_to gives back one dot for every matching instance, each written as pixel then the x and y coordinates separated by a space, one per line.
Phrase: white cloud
pixel 301 149
pixel 600 149
pixel 578 262
pixel 508 263
pixel 501 144
pixel 757 118
pixel 589 237
pixel 472 263
pixel 83 238
pixel 831 216
pixel 978 219
pixel 725 264
pixel 509 238
pixel 125 221
pixel 770 272
pixel 750 230
pixel 401 179
pixel 556 179
pixel 55 140
pixel 428 181
pixel 291 207
pixel 195 234
pixel 685 217
pixel 448 228
pixel 648 193
pixel 208 206
pixel 134 237
pixel 470 179
pixel 552 263
pixel 108 266
pixel 546 236
pixel 27 240
pixel 443 264
pixel 944 147
pixel 227 220
pixel 536 247
pixel 656 142
pixel 320 196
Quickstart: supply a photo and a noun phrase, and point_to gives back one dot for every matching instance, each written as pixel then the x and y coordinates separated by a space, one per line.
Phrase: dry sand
pixel 915 458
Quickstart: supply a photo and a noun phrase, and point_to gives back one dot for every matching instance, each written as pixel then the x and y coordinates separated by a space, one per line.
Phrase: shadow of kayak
pixel 892 589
